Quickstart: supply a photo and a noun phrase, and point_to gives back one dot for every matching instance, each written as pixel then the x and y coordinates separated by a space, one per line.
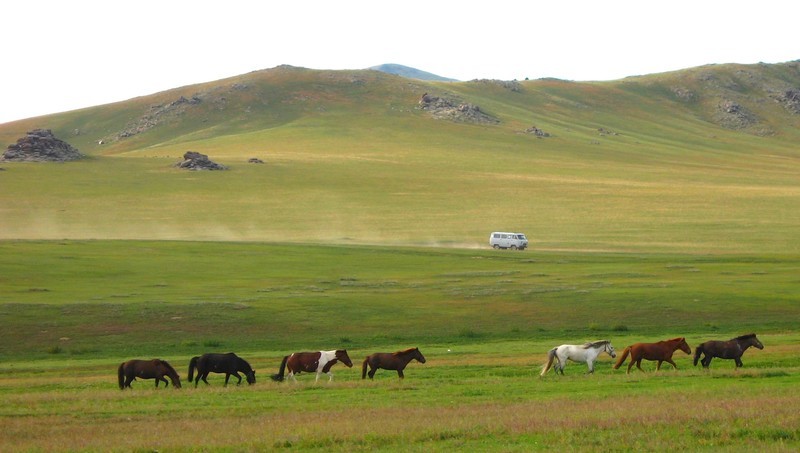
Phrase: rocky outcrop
pixel 790 100
pixel 40 145
pixel 159 114
pixel 193 160
pixel 535 131
pixel 453 110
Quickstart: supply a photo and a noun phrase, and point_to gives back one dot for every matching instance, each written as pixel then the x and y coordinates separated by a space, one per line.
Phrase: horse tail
pixel 121 375
pixel 697 351
pixel 192 366
pixel 551 354
pixel 279 377
pixel 364 368
pixel 622 358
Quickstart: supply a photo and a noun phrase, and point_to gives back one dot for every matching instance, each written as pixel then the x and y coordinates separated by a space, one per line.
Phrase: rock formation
pixel 40 145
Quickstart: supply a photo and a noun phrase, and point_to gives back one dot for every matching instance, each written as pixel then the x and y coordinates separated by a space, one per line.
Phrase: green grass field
pixel 366 228
pixel 74 310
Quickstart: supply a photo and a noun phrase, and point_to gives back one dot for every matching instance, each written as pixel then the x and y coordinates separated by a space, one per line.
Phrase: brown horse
pixel 661 351
pixel 229 363
pixel 390 361
pixel 147 369
pixel 312 362
pixel 731 349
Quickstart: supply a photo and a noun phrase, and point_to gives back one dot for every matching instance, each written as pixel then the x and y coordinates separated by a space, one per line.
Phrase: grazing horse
pixel 587 352
pixel 229 363
pixel 731 349
pixel 661 351
pixel 390 361
pixel 312 362
pixel 147 369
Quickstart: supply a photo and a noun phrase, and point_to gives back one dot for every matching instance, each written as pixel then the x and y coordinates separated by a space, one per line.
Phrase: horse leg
pixel 658 366
pixel 205 378
pixel 738 361
pixel 706 361
pixel 630 365
pixel 590 364
pixel 239 377
pixel 400 373
pixel 128 381
pixel 671 363
pixel 372 371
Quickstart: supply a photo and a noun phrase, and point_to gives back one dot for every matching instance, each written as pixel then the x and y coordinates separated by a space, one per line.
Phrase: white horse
pixel 577 353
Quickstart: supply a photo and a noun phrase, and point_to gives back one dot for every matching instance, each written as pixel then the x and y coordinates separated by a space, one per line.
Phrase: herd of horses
pixel 231 365
pixel 661 351
pixel 322 361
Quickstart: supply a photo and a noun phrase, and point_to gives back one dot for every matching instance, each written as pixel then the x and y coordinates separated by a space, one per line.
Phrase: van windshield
pixel 521 236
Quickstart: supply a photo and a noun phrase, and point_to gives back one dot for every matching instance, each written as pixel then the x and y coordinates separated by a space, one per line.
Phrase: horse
pixel 731 349
pixel 390 361
pixel 229 363
pixel 147 369
pixel 661 351
pixel 312 362
pixel 587 352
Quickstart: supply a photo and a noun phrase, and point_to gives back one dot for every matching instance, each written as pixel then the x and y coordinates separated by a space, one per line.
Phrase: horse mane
pixel 744 337
pixel 166 364
pixel 242 361
pixel 404 351
pixel 595 344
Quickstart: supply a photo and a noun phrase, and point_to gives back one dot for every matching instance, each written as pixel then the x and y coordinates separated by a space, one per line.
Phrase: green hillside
pixel 695 161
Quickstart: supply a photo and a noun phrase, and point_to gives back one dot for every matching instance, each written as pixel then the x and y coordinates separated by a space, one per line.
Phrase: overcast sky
pixel 62 55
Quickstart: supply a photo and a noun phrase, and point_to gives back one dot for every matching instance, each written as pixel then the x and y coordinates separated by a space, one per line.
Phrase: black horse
pixel 731 349
pixel 229 363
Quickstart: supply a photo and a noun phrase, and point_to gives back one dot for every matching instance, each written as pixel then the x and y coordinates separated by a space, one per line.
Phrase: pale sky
pixel 62 55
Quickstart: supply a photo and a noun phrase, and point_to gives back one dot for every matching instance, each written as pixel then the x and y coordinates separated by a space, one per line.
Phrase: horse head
pixel 168 370
pixel 609 349
pixel 684 346
pixel 755 342
pixel 251 377
pixel 418 356
pixel 341 354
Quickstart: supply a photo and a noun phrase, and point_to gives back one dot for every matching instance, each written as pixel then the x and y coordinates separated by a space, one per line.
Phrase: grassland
pixel 73 310
pixel 366 229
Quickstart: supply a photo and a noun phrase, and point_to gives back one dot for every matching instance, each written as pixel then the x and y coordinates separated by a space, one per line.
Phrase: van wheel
pixel 496 246
pixel 513 247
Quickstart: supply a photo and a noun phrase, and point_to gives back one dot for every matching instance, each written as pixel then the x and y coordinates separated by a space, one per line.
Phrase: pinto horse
pixel 661 351
pixel 390 361
pixel 312 362
pixel 147 369
pixel 229 363
pixel 731 349
pixel 587 352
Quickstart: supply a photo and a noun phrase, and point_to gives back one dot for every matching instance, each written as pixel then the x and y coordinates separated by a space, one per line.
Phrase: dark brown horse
pixel 390 361
pixel 731 349
pixel 147 369
pixel 661 351
pixel 312 362
pixel 229 363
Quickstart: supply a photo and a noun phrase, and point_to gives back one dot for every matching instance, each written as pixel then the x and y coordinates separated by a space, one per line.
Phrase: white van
pixel 513 241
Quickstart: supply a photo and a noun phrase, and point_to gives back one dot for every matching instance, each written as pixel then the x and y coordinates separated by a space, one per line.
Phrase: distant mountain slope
pixel 703 159
pixel 410 73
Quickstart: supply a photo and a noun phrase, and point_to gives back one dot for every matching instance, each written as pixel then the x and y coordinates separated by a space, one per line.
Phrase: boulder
pixel 40 145
pixel 193 160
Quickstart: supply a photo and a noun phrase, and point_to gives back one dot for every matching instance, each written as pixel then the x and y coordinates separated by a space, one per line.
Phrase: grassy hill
pixel 701 160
